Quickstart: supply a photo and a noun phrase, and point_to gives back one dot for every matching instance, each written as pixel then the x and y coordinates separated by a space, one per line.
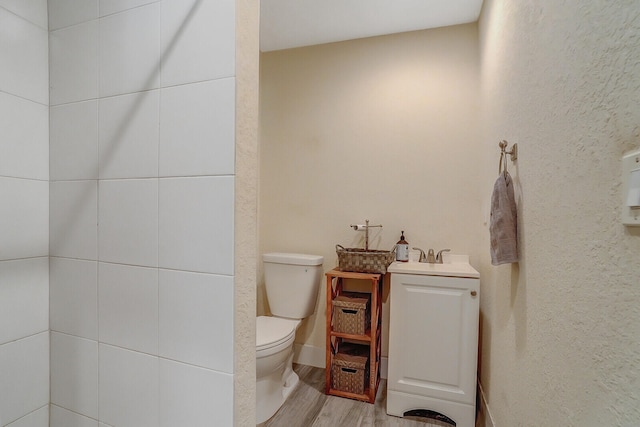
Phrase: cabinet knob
pixel 474 293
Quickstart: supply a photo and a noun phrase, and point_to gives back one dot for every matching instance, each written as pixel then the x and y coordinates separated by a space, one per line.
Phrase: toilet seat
pixel 273 334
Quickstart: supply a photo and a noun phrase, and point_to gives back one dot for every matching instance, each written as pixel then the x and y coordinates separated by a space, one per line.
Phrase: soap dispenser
pixel 402 249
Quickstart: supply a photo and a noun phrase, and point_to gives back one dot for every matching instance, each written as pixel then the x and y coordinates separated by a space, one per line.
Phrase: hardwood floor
pixel 308 406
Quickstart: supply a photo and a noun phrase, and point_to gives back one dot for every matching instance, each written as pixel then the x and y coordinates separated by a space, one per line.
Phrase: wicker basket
pixel 351 313
pixel 364 261
pixel 350 368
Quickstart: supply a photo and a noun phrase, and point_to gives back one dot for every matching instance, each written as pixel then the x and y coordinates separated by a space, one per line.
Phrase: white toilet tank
pixel 292 282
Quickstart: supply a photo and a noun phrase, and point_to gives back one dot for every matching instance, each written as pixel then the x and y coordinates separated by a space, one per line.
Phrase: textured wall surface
pixel 384 129
pixel 246 237
pixel 561 329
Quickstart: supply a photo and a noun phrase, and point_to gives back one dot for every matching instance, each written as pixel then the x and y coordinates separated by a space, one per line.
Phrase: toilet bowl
pixel 275 378
pixel 291 282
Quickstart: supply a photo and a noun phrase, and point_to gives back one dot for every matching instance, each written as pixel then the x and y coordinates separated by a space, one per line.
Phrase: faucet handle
pixel 423 257
pixel 431 259
pixel 439 256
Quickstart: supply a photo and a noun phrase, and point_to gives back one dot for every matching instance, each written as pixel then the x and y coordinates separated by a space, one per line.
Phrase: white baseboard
pixel 308 355
pixel 384 367
pixel 488 419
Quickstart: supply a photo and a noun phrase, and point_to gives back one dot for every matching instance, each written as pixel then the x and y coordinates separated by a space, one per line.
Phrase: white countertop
pixel 453 266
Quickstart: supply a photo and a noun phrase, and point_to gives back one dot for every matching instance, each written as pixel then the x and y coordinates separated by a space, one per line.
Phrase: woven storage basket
pixel 350 368
pixel 351 313
pixel 364 261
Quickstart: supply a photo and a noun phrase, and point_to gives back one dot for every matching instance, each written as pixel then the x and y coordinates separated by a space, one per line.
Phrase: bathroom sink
pixel 453 266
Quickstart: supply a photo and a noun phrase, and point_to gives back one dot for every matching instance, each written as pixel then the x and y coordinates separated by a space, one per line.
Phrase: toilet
pixel 292 282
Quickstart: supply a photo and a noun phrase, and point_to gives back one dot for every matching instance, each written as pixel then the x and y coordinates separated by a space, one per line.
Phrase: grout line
pixel 23 18
pixel 75 412
pixel 24 258
pixel 24 98
pixel 46 331
pixel 24 179
pixel 27 414
pixel 98 338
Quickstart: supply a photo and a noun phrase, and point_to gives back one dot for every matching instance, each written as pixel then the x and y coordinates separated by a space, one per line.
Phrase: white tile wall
pixel 198 40
pixel 73 143
pixel 24 301
pixel 114 131
pixel 74 63
pixel 24 376
pixel 73 288
pixel 128 135
pixel 24 145
pixel 34 11
pixel 108 7
pixel 74 219
pixel 196 224
pixel 61 417
pixel 129 221
pixel 37 418
pixel 128 388
pixel 194 397
pixel 24 214
pixel 25 66
pixel 64 13
pixel 128 306
pixel 198 129
pixel 130 51
pixel 196 312
pixel 74 374
pixel 24 229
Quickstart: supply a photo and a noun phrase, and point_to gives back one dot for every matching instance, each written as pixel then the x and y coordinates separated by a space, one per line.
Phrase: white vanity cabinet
pixel 433 340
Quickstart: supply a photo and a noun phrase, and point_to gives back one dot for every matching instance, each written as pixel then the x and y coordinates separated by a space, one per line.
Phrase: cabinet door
pixel 433 336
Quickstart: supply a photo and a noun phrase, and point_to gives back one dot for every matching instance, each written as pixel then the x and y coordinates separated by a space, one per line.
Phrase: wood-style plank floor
pixel 308 406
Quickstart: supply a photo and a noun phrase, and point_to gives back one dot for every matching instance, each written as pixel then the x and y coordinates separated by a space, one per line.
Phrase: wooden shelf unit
pixel 372 336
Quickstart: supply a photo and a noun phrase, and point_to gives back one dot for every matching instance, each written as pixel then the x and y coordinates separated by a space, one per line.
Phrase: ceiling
pixel 286 24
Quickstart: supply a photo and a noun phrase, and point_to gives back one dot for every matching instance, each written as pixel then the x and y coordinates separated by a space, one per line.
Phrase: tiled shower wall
pixel 24 213
pixel 141 212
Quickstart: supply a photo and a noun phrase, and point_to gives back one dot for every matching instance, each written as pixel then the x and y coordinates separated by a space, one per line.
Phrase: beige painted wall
pixel 561 330
pixel 384 129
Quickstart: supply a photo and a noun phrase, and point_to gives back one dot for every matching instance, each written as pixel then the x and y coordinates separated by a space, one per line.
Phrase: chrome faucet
pixel 423 257
pixel 439 256
pixel 431 257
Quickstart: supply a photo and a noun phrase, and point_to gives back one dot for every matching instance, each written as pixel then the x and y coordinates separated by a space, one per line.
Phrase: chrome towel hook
pixel 503 155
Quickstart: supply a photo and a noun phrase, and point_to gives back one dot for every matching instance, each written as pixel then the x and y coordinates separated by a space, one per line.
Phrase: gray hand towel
pixel 504 222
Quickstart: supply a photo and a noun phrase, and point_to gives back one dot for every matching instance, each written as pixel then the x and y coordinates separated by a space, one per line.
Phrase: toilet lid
pixel 271 331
